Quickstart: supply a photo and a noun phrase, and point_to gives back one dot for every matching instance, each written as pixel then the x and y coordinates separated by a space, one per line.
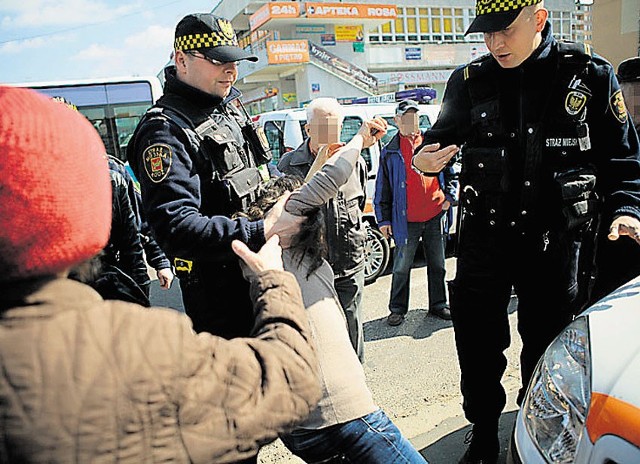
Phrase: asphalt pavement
pixel 412 371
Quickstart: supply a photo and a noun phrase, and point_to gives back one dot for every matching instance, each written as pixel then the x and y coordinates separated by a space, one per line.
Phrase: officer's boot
pixel 484 445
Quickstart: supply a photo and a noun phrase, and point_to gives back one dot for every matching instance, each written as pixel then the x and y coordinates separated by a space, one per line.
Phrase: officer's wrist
pixel 415 168
pixel 420 171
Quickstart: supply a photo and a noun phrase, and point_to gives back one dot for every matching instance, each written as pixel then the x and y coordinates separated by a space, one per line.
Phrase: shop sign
pixel 350 11
pixel 328 39
pixel 349 33
pixel 273 10
pixel 287 51
pixel 412 53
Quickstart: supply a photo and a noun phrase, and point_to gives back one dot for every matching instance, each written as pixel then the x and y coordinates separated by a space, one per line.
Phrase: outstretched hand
pixel 625 225
pixel 372 130
pixel 269 257
pixel 431 158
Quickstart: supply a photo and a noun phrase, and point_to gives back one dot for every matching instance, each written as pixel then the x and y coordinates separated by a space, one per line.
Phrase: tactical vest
pixel 538 173
pixel 222 151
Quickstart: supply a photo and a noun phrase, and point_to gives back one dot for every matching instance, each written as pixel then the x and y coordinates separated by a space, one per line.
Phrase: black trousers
pixel 216 298
pixel 490 264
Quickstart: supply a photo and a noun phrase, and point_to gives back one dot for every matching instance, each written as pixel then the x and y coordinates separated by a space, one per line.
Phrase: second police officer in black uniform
pixel 547 143
pixel 199 160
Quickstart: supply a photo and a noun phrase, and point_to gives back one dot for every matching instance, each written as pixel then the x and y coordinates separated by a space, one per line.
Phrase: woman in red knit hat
pixel 85 380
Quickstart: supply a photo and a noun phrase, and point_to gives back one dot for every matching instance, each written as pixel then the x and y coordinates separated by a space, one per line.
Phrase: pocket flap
pixel 244 182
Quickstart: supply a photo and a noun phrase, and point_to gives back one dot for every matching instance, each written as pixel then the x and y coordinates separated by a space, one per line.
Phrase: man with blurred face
pixel 199 160
pixel 346 233
pixel 410 207
pixel 549 151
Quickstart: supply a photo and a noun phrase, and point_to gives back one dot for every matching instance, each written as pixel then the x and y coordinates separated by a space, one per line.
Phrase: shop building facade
pixel 349 50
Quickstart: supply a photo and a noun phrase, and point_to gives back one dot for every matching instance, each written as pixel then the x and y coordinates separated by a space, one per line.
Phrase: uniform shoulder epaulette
pixel 575 51
pixel 154 111
pixel 475 66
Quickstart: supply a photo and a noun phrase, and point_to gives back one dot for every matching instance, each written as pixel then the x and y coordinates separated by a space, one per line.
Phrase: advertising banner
pixel 287 51
pixel 273 10
pixel 310 29
pixel 350 10
pixel 328 39
pixel 349 33
pixel 342 66
pixel 412 53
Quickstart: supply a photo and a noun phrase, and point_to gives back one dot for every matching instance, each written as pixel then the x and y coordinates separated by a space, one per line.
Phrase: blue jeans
pixel 372 439
pixel 433 242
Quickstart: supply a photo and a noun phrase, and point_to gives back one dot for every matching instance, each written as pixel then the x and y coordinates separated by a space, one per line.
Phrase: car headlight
pixel 559 394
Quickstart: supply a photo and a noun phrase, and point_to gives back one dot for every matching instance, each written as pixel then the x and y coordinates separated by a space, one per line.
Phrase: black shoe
pixel 442 313
pixel 484 446
pixel 395 319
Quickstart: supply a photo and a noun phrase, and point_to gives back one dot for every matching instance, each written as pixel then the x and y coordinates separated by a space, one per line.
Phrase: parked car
pixel 285 131
pixel 583 401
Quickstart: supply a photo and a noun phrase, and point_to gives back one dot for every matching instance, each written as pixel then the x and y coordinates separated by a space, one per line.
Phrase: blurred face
pixel 210 76
pixel 513 45
pixel 631 94
pixel 408 123
pixel 324 128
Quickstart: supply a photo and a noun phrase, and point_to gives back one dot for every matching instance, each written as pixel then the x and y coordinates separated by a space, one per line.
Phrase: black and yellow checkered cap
pixel 211 35
pixel 198 41
pixel 496 15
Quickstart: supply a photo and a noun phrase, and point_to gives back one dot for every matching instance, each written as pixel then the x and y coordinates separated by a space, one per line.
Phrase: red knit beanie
pixel 55 193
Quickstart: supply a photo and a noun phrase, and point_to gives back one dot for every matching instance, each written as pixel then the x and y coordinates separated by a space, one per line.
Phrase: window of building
pixel 562 24
pixel 427 24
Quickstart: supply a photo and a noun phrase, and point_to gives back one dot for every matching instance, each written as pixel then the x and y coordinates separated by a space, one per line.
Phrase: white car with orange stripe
pixel 583 402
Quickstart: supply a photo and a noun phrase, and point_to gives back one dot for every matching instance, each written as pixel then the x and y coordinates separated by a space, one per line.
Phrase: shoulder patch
pixel 157 161
pixel 618 108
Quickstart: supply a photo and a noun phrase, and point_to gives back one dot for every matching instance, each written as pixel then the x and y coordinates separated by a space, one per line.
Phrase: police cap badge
pixel 212 36
pixel 496 15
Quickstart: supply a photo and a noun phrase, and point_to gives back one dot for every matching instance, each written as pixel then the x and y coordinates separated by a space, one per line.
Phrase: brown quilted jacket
pixel 87 380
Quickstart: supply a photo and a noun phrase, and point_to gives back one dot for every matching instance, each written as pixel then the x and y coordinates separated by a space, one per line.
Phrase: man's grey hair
pixel 326 105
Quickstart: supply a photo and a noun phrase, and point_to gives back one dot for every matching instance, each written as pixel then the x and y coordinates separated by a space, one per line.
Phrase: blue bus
pixel 114 106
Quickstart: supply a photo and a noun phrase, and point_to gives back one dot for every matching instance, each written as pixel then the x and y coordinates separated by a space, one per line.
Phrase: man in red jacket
pixel 410 207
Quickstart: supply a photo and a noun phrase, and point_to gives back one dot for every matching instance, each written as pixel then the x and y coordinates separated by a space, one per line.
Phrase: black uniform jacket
pixel 531 99
pixel 183 205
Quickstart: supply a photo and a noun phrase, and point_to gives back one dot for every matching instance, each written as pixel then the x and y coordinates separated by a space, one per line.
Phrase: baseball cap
pixel 212 36
pixel 406 105
pixel 629 70
pixel 496 15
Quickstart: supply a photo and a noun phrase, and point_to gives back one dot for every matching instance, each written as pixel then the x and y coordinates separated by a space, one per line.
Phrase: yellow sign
pixel 349 33
pixel 351 10
pixel 287 51
pixel 289 97
pixel 273 10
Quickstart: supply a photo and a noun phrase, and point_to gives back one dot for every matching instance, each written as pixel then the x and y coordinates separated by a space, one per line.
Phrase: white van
pixel 285 131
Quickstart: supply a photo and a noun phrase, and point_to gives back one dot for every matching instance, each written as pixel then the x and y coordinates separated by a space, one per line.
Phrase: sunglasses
pixel 206 58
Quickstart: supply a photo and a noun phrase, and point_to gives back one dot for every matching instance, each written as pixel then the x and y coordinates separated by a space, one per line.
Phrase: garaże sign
pixel 287 51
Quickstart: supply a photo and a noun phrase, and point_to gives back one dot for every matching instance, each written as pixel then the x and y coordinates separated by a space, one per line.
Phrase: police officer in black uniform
pixel 548 146
pixel 618 261
pixel 199 159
